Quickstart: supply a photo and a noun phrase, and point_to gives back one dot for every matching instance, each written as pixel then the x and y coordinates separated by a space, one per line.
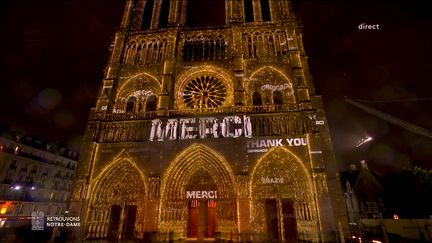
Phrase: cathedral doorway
pixel 114 221
pixel 202 218
pixel 280 218
pixel 198 196
pixel 129 222
pixel 201 191
pixel 117 205
pixel 283 208
pixel 288 219
pixel 271 214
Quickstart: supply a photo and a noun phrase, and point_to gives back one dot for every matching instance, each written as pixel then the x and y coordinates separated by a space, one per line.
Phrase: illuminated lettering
pixel 253 144
pixel 189 129
pixel 171 129
pixel 190 194
pixel 296 141
pixel 266 180
pixel 268 143
pixel 276 87
pixel 289 140
pixel 156 130
pixel 201 194
pixel 205 127
pixel 319 122
pixel 247 127
pixel 278 142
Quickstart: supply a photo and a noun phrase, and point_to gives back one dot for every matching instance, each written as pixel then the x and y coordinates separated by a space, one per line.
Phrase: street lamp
pixel 21 197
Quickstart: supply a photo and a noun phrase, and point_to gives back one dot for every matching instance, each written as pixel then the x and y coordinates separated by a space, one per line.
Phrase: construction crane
pixel 394 120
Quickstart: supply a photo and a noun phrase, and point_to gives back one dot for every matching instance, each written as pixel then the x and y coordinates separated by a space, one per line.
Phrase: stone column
pixel 256 10
pixel 127 14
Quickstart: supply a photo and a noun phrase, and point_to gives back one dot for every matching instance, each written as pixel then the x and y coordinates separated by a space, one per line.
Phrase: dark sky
pixel 52 56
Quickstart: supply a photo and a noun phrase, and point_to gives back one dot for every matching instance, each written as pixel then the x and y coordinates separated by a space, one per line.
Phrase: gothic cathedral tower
pixel 207 126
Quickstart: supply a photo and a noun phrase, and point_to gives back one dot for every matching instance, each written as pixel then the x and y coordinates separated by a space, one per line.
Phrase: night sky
pixel 53 53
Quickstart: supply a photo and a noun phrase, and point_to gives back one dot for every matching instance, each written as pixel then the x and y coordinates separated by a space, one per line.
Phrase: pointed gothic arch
pixel 267 80
pixel 282 178
pixel 117 191
pixel 177 177
pixel 140 86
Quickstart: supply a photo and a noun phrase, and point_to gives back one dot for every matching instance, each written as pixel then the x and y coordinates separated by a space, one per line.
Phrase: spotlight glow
pixel 16 188
pixel 364 141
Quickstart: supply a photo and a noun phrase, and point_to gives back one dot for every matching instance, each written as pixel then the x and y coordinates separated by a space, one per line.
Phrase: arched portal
pixel 282 203
pixel 116 208
pixel 197 188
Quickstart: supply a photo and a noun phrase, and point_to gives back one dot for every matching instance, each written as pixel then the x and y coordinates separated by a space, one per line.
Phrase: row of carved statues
pixel 276 125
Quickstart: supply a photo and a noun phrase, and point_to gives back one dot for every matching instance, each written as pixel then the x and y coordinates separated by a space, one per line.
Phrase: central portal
pixel 202 218
pixel 201 194
pixel 280 219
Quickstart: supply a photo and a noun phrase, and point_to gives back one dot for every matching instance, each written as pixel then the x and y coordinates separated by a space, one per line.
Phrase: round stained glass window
pixel 204 92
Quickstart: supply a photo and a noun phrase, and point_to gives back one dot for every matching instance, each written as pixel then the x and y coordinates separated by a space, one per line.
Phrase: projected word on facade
pixel 276 87
pixel 201 194
pixel 204 127
pixel 268 143
pixel 267 180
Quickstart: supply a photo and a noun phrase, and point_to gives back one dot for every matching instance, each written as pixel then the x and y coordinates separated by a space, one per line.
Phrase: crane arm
pixel 396 121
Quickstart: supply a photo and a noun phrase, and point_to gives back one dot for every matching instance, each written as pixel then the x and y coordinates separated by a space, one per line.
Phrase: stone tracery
pixel 144 51
pixel 121 184
pixel 192 160
pixel 199 47
pixel 258 44
pixel 219 78
pixel 282 164
pixel 267 82
pixel 138 94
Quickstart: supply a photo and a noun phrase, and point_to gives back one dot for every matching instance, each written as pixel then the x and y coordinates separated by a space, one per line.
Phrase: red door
pixel 193 218
pixel 210 220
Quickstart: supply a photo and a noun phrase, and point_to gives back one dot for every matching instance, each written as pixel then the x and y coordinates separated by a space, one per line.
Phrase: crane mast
pixel 392 119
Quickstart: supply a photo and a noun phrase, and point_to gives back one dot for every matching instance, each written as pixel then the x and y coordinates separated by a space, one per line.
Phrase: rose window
pixel 204 92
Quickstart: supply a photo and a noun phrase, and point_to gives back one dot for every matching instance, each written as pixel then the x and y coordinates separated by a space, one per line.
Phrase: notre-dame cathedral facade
pixel 207 126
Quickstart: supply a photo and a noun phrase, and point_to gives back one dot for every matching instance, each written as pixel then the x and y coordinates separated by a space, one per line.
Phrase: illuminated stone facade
pixel 208 132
